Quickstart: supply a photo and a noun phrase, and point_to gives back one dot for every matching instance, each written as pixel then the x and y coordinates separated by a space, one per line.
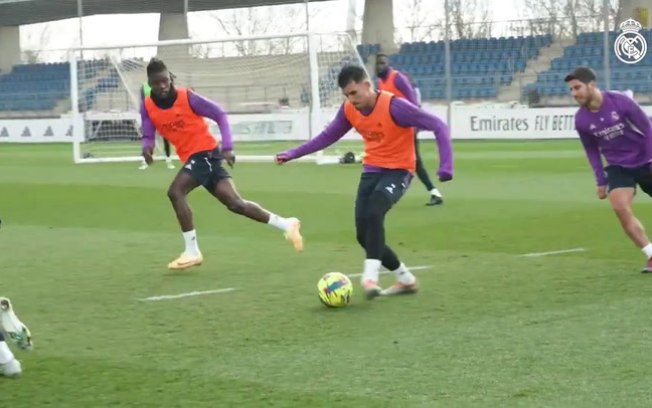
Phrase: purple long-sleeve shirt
pixel 202 107
pixel 402 84
pixel 404 114
pixel 620 131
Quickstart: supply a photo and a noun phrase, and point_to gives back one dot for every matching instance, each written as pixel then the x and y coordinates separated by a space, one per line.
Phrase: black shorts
pixel 618 176
pixel 392 183
pixel 206 168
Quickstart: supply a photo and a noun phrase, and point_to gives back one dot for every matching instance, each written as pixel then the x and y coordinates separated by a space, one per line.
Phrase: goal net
pixel 277 91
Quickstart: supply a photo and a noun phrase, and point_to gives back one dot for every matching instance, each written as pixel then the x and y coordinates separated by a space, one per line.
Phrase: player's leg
pixel 223 188
pixel 622 189
pixel 371 271
pixel 9 365
pixel 191 176
pixel 12 327
pixel 422 173
pixel 168 154
pixel 368 183
pixel 386 194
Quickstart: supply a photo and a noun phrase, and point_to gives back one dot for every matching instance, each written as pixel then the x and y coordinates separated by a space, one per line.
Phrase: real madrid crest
pixel 630 46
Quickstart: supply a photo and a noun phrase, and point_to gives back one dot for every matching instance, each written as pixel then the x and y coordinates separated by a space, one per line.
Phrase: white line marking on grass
pixel 188 294
pixel 561 251
pixel 412 268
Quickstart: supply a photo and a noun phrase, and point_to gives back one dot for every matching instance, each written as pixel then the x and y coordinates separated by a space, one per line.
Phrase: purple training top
pixel 402 84
pixel 620 130
pixel 404 114
pixel 202 107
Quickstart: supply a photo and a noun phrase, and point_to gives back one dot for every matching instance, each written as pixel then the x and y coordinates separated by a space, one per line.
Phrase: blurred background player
pixel 613 125
pixel 11 329
pixel 146 91
pixel 386 124
pixel 399 84
pixel 185 128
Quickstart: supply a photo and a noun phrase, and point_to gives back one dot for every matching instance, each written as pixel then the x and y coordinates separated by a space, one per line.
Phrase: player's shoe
pixel 11 369
pixel 371 289
pixel 648 267
pixel 400 289
pixel 435 200
pixel 16 330
pixel 169 163
pixel 143 166
pixel 293 234
pixel 186 261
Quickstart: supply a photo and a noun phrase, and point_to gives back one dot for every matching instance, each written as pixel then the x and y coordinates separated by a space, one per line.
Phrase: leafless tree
pixel 568 18
pixel 469 18
pixel 40 36
pixel 420 24
pixel 257 21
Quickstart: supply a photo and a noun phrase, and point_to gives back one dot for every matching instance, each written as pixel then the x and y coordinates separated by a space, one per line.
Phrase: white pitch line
pixel 412 268
pixel 188 294
pixel 561 251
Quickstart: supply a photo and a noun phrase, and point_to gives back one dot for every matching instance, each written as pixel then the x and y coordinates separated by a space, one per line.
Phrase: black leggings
pixel 422 173
pixel 166 145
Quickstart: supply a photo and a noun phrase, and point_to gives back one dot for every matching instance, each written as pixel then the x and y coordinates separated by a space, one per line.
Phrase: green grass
pixel 81 244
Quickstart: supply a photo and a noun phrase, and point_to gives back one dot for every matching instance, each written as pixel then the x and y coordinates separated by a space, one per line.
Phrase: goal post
pixel 278 91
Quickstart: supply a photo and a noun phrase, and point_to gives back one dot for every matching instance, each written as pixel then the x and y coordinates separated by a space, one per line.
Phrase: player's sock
pixel 404 275
pixel 5 352
pixel 647 250
pixel 435 191
pixel 389 259
pixel 371 270
pixel 192 248
pixel 279 222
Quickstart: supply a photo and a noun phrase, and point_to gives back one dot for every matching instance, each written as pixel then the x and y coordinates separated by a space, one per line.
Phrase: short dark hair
pixel 351 73
pixel 381 55
pixel 582 74
pixel 155 66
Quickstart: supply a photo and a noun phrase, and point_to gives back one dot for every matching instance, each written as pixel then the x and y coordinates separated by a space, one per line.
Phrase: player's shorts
pixel 392 183
pixel 618 177
pixel 206 168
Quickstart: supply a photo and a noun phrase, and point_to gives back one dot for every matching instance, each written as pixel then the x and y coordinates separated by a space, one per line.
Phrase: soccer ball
pixel 335 289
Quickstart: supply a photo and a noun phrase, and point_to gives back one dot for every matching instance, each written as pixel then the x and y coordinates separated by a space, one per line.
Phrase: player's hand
pixel 148 155
pixel 229 156
pixel 601 192
pixel 282 158
pixel 444 175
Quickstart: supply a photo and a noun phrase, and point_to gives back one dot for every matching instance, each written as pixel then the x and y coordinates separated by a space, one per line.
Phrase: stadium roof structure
pixel 19 12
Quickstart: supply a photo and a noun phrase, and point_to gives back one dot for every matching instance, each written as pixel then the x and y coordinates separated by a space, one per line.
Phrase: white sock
pixel 168 159
pixel 371 270
pixel 279 222
pixel 5 353
pixel 435 192
pixel 404 275
pixel 192 248
pixel 647 250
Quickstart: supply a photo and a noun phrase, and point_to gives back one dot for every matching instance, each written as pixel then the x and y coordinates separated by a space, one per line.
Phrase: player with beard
pixel 178 115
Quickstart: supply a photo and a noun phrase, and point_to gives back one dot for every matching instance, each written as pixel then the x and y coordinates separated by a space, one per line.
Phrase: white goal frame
pixel 315 108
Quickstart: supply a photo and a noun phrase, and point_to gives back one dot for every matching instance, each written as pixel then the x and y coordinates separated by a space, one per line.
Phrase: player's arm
pixel 405 114
pixel 403 84
pixel 149 131
pixel 333 132
pixel 211 110
pixel 592 151
pixel 639 120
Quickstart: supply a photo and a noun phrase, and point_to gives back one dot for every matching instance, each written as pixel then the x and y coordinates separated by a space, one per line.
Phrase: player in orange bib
pixel 398 83
pixel 386 124
pixel 178 115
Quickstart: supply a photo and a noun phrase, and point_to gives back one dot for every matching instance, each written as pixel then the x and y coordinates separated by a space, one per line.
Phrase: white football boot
pixel 15 330
pixel 11 369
